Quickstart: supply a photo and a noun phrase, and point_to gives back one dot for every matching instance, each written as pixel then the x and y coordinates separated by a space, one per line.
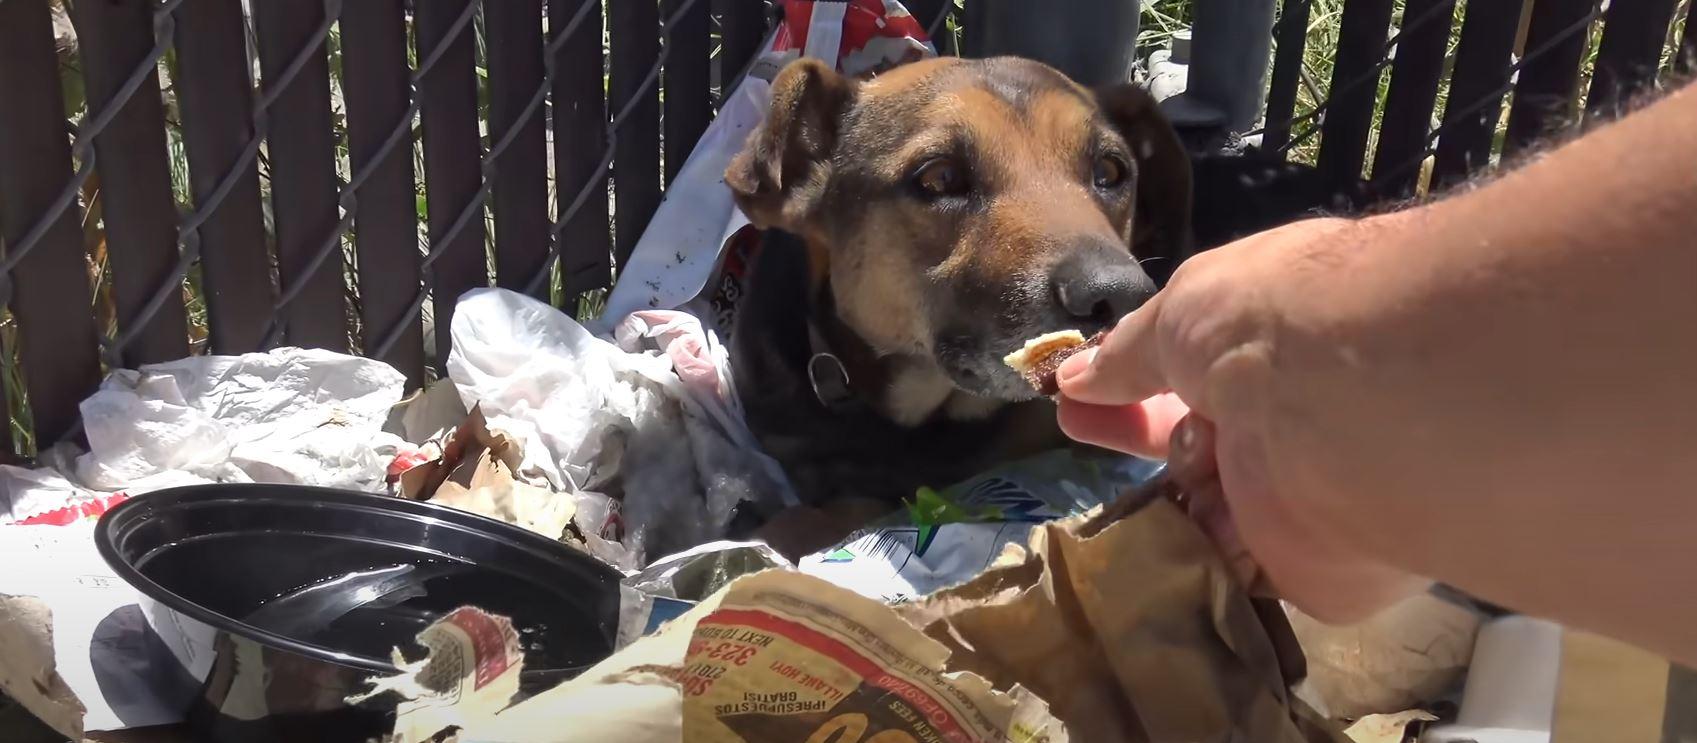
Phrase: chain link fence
pixel 585 76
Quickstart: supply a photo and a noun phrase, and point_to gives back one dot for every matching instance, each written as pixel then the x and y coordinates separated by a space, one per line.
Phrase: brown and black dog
pixel 921 225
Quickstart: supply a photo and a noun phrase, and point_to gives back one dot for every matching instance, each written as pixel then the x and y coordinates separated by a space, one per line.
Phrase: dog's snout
pixel 1099 284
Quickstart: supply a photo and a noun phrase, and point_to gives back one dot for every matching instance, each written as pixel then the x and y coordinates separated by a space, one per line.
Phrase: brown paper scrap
pixel 28 673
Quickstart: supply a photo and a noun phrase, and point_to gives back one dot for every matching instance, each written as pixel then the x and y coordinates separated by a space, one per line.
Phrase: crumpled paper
pixel 1097 630
pixel 290 415
pixel 584 407
pixel 478 472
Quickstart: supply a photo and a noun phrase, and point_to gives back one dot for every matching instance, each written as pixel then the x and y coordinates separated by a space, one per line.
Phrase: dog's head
pixel 960 207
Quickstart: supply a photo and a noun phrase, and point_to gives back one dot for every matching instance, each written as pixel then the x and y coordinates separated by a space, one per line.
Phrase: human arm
pixel 1498 390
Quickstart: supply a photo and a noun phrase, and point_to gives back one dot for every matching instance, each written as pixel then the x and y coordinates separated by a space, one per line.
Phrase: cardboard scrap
pixel 27 671
pixel 1410 655
pixel 1129 631
pixel 476 472
pixel 1391 728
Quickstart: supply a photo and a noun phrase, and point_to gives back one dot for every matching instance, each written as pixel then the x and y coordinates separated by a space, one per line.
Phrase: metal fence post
pixel 1092 41
pixel 1230 52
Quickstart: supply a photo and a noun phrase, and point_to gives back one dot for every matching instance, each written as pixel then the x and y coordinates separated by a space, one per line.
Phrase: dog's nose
pixel 1100 283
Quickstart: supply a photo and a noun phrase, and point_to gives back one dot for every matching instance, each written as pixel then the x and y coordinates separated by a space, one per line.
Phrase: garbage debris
pixel 1174 651
pixel 1411 655
pixel 583 407
pixel 477 471
pixel 99 673
pixel 947 537
pixel 672 585
pixel 290 415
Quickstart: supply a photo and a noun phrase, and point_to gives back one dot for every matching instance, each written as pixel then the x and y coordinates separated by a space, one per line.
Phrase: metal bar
pixel 1291 35
pixel 634 26
pixel 216 98
pixel 514 28
pixel 135 177
pixel 1482 60
pixel 302 151
pixel 1685 59
pixel 376 85
pixel 742 25
pixel 59 348
pixel 1413 93
pixel 1544 96
pixel 1230 45
pixel 1349 116
pixel 580 127
pixel 688 79
pixel 451 159
pixel 1630 54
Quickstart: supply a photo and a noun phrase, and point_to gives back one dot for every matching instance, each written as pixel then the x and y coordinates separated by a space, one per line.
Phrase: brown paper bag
pixel 1135 634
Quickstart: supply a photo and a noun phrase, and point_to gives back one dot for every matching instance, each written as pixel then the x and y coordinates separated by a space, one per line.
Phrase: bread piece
pixel 1041 357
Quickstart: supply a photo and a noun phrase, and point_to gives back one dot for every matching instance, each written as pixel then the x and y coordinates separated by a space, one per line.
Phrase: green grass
pixel 1161 19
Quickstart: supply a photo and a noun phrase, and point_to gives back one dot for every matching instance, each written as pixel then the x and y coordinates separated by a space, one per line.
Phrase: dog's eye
pixel 939 178
pixel 1109 172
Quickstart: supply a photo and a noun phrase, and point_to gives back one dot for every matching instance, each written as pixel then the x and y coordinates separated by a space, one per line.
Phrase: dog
pixel 917 227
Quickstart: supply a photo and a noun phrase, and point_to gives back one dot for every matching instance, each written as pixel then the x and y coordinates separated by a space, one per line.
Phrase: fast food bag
pixel 679 256
pixel 1104 628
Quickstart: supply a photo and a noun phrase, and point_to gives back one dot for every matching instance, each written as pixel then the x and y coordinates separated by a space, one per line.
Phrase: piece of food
pixel 1038 360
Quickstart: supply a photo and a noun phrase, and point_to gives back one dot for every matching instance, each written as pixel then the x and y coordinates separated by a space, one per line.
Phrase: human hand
pixel 1192 376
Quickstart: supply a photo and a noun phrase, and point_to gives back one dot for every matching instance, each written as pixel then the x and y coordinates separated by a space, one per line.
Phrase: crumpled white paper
pixel 290 415
pixel 599 417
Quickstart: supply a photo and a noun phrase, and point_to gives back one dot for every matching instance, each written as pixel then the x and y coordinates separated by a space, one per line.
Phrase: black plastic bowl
pixel 206 558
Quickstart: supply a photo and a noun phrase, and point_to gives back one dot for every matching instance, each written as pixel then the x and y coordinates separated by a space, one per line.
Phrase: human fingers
pixel 1125 369
pixel 1143 429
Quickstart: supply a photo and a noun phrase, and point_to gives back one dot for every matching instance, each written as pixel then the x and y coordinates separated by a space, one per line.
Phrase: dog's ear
pixel 1162 222
pixel 781 172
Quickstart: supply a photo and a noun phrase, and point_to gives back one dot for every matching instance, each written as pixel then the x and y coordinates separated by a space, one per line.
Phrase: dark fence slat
pixel 1415 74
pixel 216 98
pixel 374 79
pixel 1482 59
pixel 302 149
pixel 1544 92
pixel 635 29
pixel 1291 37
pixel 742 26
pixel 1630 54
pixel 50 291
pixel 689 79
pixel 139 212
pixel 1686 60
pixel 452 152
pixel 933 14
pixel 972 28
pixel 580 124
pixel 514 28
pixel 1349 116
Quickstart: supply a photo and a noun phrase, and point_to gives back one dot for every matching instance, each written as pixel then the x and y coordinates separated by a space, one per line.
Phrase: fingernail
pixel 1184 435
pixel 1075 364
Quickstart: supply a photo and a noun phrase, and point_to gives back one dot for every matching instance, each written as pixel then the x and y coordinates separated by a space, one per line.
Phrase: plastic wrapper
pixel 592 416
pixel 673 584
pixel 947 537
